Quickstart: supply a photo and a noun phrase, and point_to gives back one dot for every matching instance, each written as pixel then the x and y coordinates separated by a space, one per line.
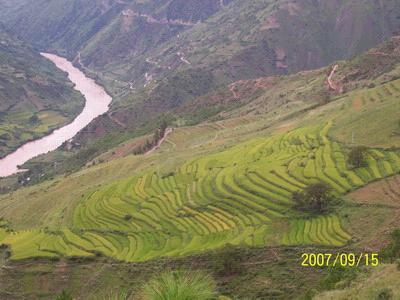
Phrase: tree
pixel 163 125
pixel 315 197
pixel 34 119
pixel 5 137
pixel 356 157
pixel 385 294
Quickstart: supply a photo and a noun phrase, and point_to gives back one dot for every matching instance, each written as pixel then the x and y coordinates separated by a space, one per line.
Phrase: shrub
pixel 128 217
pixel 385 294
pixel 180 285
pixel 118 295
pixel 338 275
pixel 64 296
pixel 392 251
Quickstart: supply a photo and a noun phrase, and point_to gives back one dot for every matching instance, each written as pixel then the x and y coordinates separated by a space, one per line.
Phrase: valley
pixel 35 99
pixel 97 103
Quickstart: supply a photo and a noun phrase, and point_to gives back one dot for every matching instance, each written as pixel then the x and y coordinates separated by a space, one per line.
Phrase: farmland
pixel 213 184
pixel 241 135
pixel 235 196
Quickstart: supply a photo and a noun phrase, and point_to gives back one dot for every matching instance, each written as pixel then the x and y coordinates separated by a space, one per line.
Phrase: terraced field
pixel 323 230
pixel 371 117
pixel 236 196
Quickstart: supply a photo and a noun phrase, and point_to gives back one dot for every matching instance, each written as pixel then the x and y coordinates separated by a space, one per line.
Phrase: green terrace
pixel 240 196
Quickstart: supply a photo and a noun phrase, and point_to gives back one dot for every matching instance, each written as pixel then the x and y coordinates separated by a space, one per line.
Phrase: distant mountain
pixel 123 27
pixel 138 42
pixel 35 97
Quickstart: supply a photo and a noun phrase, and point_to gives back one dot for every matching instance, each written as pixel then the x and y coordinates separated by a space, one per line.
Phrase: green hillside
pixel 378 283
pixel 235 196
pixel 209 185
pixel 35 97
pixel 226 116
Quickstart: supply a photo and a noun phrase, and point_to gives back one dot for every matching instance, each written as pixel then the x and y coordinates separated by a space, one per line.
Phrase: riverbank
pixel 97 103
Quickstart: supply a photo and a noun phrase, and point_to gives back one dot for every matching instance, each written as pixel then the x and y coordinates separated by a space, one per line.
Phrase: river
pixel 97 103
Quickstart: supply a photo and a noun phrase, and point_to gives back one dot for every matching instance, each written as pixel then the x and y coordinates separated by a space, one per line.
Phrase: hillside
pixel 242 134
pixel 383 281
pixel 257 38
pixel 278 97
pixel 229 180
pixel 130 38
pixel 35 97
pixel 125 40
pixel 156 57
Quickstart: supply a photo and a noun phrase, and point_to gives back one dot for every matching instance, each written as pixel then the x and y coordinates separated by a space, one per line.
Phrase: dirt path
pixel 150 19
pixel 183 58
pixel 115 120
pixel 232 88
pixel 78 60
pixel 167 132
pixel 331 84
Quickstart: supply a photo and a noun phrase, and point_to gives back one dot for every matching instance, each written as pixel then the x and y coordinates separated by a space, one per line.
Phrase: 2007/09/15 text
pixel 339 259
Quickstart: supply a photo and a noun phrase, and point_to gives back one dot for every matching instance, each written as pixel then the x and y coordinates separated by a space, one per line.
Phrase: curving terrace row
pixel 235 196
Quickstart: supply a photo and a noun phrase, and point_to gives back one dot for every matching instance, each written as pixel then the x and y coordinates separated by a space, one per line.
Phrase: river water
pixel 97 103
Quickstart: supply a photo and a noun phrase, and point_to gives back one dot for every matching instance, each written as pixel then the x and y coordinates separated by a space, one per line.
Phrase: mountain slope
pixel 272 95
pixel 127 39
pixel 156 57
pixel 225 181
pixel 228 180
pixel 251 39
pixel 35 97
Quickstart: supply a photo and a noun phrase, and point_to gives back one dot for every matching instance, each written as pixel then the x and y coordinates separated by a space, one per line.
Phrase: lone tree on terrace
pixel 315 198
pixel 356 157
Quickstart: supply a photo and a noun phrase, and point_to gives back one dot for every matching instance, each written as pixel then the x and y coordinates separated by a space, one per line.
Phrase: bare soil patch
pixel 386 191
pixel 357 104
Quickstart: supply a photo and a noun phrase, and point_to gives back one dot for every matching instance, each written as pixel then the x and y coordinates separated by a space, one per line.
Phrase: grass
pixel 374 123
pixel 181 285
pixel 369 285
